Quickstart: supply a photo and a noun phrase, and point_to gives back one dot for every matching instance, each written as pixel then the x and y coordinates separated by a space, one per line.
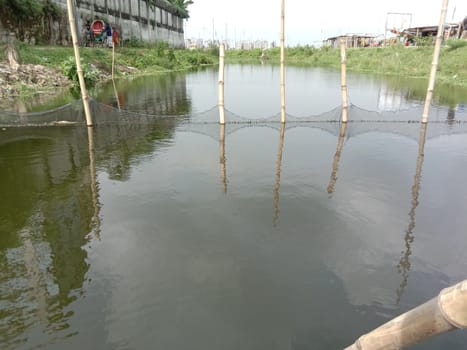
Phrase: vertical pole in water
pixel 113 60
pixel 344 81
pixel 221 84
pixel 79 70
pixel 282 62
pixel 434 65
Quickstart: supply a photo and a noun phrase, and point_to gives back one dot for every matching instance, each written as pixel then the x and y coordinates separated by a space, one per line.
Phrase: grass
pixel 408 62
pixel 159 58
pixel 398 62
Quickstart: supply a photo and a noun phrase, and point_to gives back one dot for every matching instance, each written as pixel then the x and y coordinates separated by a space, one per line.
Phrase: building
pixel 351 41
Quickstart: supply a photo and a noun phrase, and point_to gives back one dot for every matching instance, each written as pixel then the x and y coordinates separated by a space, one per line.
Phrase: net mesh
pixel 404 122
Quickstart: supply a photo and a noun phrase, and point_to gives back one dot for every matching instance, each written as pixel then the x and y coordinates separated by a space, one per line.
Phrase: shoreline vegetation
pixel 48 69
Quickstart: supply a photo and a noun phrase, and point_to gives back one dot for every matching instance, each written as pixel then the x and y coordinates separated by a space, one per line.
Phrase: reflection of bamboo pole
pixel 79 69
pixel 116 94
pixel 95 221
pixel 404 264
pixel 443 313
pixel 277 183
pixel 337 156
pixel 434 65
pixel 222 157
pixel 37 290
pixel 221 84
pixel 283 62
pixel 344 81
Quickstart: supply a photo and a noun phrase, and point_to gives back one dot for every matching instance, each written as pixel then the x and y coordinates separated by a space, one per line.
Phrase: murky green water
pixel 171 234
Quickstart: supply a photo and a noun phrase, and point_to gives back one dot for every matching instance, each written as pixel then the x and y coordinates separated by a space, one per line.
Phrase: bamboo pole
pixel 222 157
pixel 344 81
pixel 282 39
pixel 277 183
pixel 403 266
pixel 434 65
pixel 444 313
pixel 113 61
pixel 79 69
pixel 221 84
pixel 337 157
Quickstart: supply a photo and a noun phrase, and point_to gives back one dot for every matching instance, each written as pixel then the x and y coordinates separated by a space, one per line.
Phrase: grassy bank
pixel 407 62
pixel 143 60
pixel 396 63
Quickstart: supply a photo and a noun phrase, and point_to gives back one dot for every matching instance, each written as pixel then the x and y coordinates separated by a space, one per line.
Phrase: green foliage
pixel 90 74
pixel 454 44
pixel 424 41
pixel 20 10
pixel 182 7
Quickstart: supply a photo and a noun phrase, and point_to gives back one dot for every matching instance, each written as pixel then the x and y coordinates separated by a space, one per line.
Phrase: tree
pixel 182 7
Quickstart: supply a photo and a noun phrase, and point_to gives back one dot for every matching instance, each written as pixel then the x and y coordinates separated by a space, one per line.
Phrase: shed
pixel 351 40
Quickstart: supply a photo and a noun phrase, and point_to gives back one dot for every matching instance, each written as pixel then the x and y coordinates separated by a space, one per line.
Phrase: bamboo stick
pixel 221 84
pixel 337 157
pixel 282 39
pixel 434 65
pixel 277 183
pixel 222 157
pixel 344 81
pixel 444 313
pixel 113 61
pixel 79 69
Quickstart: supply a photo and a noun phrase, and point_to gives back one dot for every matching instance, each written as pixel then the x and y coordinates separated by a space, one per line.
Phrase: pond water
pixel 173 232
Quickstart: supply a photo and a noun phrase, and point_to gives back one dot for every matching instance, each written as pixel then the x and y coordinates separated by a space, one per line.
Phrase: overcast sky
pixel 309 22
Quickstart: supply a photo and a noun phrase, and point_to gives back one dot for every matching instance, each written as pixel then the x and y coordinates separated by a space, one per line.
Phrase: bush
pixel 90 74
pixel 454 44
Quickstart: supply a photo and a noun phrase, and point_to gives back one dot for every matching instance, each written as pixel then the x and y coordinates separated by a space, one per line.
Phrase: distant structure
pixel 238 45
pixel 352 41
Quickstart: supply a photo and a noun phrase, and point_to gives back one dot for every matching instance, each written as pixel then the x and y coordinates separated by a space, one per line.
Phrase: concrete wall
pixel 134 19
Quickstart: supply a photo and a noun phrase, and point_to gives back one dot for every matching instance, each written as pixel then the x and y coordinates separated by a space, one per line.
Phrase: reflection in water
pixel 164 94
pixel 95 221
pixel 50 206
pixel 337 156
pixel 45 219
pixel 403 267
pixel 222 156
pixel 277 183
pixel 117 98
pixel 451 118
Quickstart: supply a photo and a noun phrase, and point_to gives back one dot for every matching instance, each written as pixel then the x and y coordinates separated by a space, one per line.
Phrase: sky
pixel 309 22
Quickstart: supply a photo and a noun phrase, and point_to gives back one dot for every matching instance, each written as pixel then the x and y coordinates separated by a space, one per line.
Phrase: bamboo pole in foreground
pixel 221 84
pixel 344 81
pixel 79 70
pixel 282 39
pixel 444 313
pixel 434 65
